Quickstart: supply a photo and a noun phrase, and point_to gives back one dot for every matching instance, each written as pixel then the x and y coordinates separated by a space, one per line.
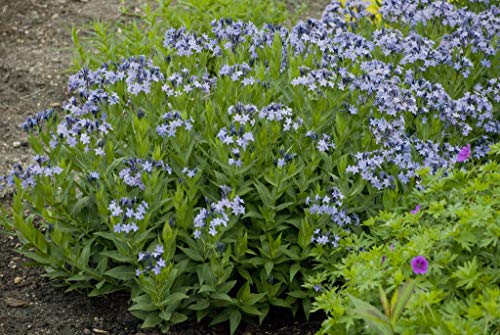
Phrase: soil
pixel 35 53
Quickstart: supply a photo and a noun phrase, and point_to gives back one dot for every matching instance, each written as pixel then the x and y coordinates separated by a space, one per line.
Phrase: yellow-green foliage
pixel 457 229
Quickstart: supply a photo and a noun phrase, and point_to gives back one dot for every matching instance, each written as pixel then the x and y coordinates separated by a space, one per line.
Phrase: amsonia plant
pixel 211 175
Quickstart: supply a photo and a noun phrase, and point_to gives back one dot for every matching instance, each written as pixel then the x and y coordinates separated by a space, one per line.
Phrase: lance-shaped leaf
pixel 385 302
pixel 372 316
pixel 400 299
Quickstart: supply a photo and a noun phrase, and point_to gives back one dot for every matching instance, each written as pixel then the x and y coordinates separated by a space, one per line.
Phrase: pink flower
pixel 416 210
pixel 419 265
pixel 464 153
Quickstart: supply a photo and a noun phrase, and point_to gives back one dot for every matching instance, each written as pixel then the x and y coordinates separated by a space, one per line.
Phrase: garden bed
pixel 204 168
pixel 36 51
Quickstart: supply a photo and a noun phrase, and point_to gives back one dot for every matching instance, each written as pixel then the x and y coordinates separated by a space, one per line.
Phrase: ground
pixel 35 53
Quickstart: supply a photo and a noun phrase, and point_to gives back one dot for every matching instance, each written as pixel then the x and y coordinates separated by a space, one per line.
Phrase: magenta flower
pixel 419 265
pixel 464 153
pixel 416 210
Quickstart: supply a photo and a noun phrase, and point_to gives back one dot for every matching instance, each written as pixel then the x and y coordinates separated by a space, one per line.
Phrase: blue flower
pixel 158 251
pixel 36 121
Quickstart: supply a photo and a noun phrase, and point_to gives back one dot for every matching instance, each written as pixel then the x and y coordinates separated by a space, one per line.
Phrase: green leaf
pixel 305 234
pixel 385 303
pixel 117 256
pixel 243 292
pixel 166 315
pixel 340 124
pixel 372 316
pixel 264 193
pixel 83 260
pixel 298 294
pixel 293 270
pixel 174 298
pixel 39 259
pixel 80 205
pixel 81 277
pixel 178 318
pixel 390 198
pixel 222 296
pixel 268 266
pixel 104 289
pixel 191 254
pixel 307 306
pixel 400 299
pixel 143 303
pixel 152 320
pixel 284 205
pixel 200 305
pixel 102 265
pixel 206 288
pixel 280 302
pixel 252 213
pixel 254 298
pixel 122 272
pixel 221 317
pixel 234 320
pixel 28 231
pixel 226 287
pixel 357 188
pixel 245 274
pixel 250 310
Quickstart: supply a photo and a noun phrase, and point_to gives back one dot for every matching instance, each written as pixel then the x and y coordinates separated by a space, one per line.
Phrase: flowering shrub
pixel 211 176
pixel 457 282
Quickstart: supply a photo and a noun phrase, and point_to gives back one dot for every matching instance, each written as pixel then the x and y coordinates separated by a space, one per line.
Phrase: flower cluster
pixel 244 120
pixel 132 174
pixel 397 88
pixel 182 82
pixel 324 239
pixel 137 72
pixel 213 219
pixel 87 132
pixel 325 143
pixel 284 158
pixel 313 79
pixel 140 74
pixel 236 72
pixel 40 167
pixel 127 213
pixel 281 113
pixel 151 261
pixel 173 121
pixel 36 121
pixel 187 44
pixel 237 136
pixel 190 173
pixel 372 165
pixel 330 205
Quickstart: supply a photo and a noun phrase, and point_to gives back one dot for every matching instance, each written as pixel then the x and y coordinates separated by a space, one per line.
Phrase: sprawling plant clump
pixel 455 224
pixel 210 177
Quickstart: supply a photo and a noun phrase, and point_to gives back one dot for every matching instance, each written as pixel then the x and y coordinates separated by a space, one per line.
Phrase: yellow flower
pixel 373 8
